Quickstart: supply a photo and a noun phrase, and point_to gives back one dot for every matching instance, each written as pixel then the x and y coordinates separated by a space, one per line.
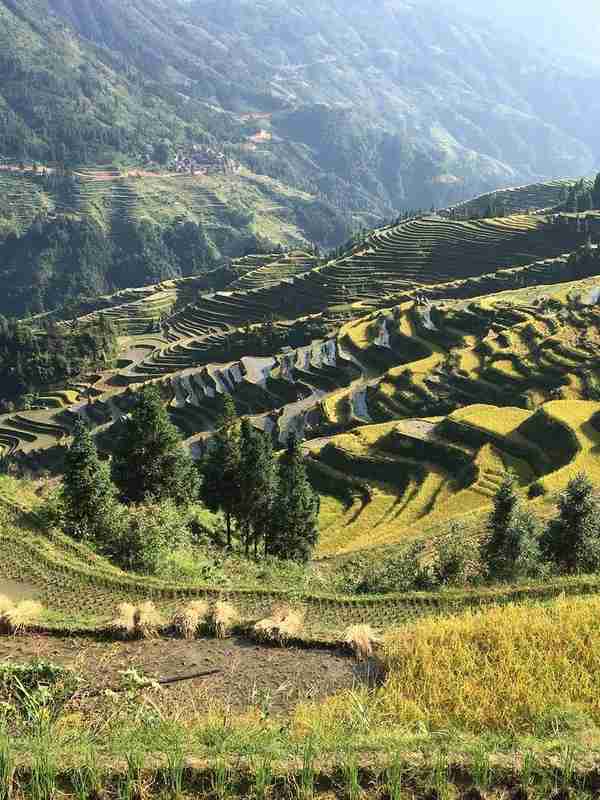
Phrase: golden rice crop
pixel 504 668
pixel 224 617
pixel 499 420
pixel 187 621
pixel 509 670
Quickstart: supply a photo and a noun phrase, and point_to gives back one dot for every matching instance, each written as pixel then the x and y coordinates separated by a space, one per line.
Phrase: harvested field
pixel 248 670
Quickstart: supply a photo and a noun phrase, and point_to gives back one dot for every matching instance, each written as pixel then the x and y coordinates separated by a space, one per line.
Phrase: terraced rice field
pixel 520 199
pixel 406 352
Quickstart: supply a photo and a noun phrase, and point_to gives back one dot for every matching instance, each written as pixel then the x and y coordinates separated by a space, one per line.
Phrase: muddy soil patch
pixel 249 672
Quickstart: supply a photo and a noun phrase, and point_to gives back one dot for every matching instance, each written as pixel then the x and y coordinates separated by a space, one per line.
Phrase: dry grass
pixel 224 617
pixel 361 639
pixel 188 621
pixel 17 618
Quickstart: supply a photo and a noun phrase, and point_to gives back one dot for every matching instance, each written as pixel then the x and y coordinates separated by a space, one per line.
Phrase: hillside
pixel 384 332
pixel 419 367
pixel 371 112
pixel 154 141
pixel 299 401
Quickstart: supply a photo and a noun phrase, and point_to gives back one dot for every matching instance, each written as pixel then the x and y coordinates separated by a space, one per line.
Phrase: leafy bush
pixel 140 538
pixel 402 573
pixel 536 489
pixel 456 559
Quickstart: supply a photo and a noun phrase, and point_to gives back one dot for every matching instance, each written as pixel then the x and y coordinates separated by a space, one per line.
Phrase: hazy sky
pixel 558 24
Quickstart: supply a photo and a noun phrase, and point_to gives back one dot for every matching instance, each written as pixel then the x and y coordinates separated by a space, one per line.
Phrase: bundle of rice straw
pixel 361 639
pixel 5 604
pixel 263 629
pixel 283 624
pixel 224 617
pixel 290 627
pixel 148 620
pixel 124 624
pixel 18 617
pixel 188 621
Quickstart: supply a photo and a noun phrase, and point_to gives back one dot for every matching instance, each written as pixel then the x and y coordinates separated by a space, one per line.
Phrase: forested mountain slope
pixel 374 104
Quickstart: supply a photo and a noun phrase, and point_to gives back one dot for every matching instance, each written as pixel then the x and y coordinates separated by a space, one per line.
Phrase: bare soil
pixel 249 673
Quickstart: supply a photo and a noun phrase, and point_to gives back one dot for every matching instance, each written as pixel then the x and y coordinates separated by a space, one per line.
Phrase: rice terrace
pixel 299 401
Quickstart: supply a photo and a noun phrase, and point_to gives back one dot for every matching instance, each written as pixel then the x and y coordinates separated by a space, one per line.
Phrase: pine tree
pixel 87 489
pixel 294 529
pixel 221 467
pixel 511 547
pixel 572 540
pixel 149 461
pixel 596 192
pixel 256 485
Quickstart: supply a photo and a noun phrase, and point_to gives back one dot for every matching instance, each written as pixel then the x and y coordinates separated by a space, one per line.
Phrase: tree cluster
pixel 33 360
pixel 133 505
pixel 515 545
pixel 580 197
pixel 68 259
pixel 127 505
pixel 268 505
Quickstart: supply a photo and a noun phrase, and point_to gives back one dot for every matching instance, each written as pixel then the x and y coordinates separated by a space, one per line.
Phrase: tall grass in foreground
pixel 7 765
pixel 44 770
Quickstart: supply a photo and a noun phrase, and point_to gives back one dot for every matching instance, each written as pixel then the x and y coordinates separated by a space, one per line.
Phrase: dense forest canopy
pixel 34 360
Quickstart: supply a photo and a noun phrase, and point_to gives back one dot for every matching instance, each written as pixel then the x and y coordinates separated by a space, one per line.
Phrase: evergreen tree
pixel 511 547
pixel 149 460
pixel 572 540
pixel 256 485
pixel 294 529
pixel 221 466
pixel 87 489
pixel 596 192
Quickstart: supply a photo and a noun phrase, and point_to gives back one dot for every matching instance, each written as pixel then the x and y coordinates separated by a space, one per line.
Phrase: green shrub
pixel 140 538
pixel 36 689
pixel 456 559
pixel 536 489
pixel 402 573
